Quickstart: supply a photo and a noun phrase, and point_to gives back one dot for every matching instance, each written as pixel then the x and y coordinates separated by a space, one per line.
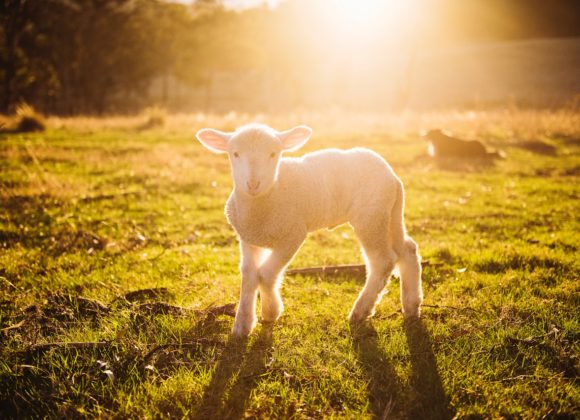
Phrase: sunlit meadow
pixel 119 274
pixel 94 209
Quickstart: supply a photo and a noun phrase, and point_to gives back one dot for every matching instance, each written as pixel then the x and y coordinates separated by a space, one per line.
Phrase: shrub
pixel 28 119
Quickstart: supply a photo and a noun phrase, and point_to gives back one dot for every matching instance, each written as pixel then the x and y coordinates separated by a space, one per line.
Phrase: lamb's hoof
pixel 271 316
pixel 358 317
pixel 270 319
pixel 413 313
pixel 243 328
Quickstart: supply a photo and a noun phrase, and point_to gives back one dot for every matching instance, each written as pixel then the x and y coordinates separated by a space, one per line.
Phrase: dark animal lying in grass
pixel 443 146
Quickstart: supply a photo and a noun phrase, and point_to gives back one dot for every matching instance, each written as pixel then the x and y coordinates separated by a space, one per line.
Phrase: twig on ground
pixel 388 410
pixel 156 257
pixel 346 269
pixel 517 378
pixel 532 377
pixel 535 339
pixel 229 309
pixel 93 304
pixel 456 308
pixel 71 345
pixel 9 282
pixel 15 326
pixel 190 344
pixel 352 269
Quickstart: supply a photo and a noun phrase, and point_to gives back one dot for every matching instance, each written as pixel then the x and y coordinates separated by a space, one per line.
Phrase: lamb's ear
pixel 295 138
pixel 214 140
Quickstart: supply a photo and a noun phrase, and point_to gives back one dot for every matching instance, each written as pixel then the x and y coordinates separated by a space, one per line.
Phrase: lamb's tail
pixel 409 260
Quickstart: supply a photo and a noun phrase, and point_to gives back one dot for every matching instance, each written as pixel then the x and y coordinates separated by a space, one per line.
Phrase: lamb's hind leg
pixel 380 260
pixel 411 289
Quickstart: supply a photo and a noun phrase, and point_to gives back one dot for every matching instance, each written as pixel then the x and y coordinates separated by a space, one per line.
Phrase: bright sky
pixel 239 4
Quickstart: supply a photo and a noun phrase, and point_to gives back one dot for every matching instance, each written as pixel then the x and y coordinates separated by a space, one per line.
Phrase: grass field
pixel 91 210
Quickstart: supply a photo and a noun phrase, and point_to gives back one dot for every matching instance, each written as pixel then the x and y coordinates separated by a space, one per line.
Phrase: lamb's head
pixel 254 152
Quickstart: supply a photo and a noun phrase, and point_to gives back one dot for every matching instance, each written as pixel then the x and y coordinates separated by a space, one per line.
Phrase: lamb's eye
pixel 273 155
pixel 236 155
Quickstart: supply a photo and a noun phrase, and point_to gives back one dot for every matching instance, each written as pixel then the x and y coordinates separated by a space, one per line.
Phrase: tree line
pixel 92 56
pixel 101 56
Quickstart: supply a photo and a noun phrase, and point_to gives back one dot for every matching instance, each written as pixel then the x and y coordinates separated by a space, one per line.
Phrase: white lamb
pixel 277 200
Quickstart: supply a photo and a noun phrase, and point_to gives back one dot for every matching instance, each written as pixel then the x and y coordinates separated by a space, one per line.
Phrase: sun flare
pixel 372 18
pixel 358 13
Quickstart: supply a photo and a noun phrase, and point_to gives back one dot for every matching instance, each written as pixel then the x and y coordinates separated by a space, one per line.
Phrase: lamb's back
pixel 327 184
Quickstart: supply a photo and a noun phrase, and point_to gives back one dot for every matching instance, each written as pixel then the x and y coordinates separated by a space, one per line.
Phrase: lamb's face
pixel 254 153
pixel 255 159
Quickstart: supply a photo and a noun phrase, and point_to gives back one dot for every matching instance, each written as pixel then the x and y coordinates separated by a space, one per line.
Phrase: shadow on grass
pixel 539 147
pixel 383 385
pixel 389 398
pixel 237 373
pixel 428 396
pixel 454 164
pixel 464 165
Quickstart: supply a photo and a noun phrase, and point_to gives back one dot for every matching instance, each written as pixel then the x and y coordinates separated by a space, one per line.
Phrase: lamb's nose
pixel 253 185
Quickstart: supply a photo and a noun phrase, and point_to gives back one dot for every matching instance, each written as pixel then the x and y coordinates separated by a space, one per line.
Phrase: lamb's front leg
pixel 246 315
pixel 270 277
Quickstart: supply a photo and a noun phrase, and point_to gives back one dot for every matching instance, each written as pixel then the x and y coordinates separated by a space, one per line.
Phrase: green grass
pixel 98 213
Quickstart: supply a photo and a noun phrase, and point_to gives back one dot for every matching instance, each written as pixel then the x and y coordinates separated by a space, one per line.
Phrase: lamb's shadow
pixel 429 399
pixel 424 398
pixel 246 365
pixel 383 385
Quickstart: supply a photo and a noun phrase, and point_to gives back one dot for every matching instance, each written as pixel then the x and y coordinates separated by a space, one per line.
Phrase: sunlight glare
pixel 370 18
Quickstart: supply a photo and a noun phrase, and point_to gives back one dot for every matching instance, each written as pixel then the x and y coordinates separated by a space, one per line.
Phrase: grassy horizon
pixel 93 209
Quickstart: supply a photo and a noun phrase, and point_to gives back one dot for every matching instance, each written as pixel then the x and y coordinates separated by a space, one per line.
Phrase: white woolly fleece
pixel 318 190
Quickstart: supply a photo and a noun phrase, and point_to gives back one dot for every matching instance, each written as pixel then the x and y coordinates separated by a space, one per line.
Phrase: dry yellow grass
pixel 512 122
